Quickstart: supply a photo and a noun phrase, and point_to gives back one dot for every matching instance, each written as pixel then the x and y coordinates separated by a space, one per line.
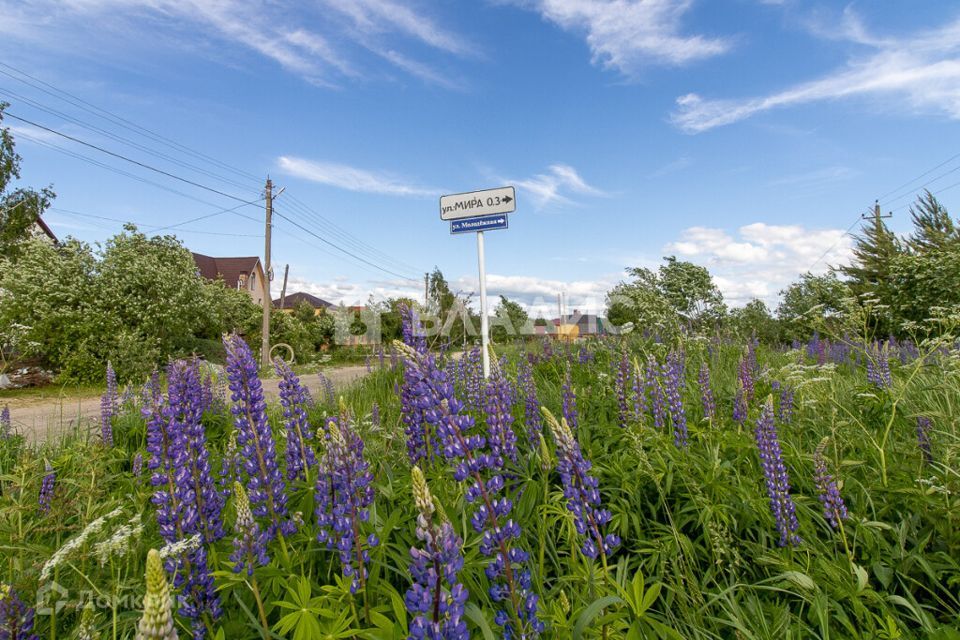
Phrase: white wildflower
pixel 119 543
pixel 180 547
pixel 75 543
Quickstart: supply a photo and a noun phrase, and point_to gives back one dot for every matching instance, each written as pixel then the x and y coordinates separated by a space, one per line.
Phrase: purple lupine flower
pixel 706 392
pixel 745 370
pixel 499 419
pixel 478 468
pixel 474 380
pixel 639 392
pixel 300 456
pixel 674 379
pixel 581 492
pixel 740 407
pixel 366 362
pixel 531 404
pixel 6 428
pixel 569 400
pixel 16 618
pixel 785 408
pixel 46 489
pixel 547 348
pixel 421 441
pixel 137 465
pixel 775 472
pixel 197 590
pixel 249 543
pixel 206 393
pixel 411 329
pixel 621 383
pixel 375 415
pixel 834 509
pixel 163 446
pixel 108 407
pixel 200 502
pixel 265 485
pixel 655 391
pixel 878 368
pixel 924 425
pixel 344 493
pixel 436 598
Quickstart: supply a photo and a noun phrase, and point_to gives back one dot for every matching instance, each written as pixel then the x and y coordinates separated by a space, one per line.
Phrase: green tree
pixel 19 207
pixel 510 321
pixel 934 229
pixel 754 320
pixel 869 274
pixel 813 303
pixel 924 282
pixel 679 295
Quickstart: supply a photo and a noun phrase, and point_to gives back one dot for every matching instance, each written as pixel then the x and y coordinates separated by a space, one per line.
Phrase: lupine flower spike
pixel 157 620
pixel 569 401
pixel 924 425
pixel 16 618
pixel 581 491
pixel 46 489
pixel 436 599
pixel 834 509
pixel 265 484
pixel 775 472
pixel 6 428
pixel 706 393
pixel 293 399
pixel 622 382
pixel 249 544
pixel 673 376
pixel 108 407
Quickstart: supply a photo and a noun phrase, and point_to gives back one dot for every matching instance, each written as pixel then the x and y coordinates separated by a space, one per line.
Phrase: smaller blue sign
pixel 479 223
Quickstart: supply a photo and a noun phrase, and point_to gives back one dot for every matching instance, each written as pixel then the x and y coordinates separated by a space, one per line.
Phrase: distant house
pixel 244 274
pixel 41 230
pixel 291 301
pixel 587 324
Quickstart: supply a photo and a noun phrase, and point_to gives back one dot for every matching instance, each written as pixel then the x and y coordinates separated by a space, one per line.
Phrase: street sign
pixel 480 223
pixel 478 203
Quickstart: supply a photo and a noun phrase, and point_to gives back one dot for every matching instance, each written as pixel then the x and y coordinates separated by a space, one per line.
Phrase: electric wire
pixel 149 226
pixel 834 245
pixel 922 175
pixel 912 191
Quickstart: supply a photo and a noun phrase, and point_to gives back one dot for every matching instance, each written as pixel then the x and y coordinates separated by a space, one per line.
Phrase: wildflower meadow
pixel 618 487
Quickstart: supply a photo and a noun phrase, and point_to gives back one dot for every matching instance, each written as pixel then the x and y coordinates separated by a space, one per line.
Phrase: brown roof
pixel 230 269
pixel 293 299
pixel 43 226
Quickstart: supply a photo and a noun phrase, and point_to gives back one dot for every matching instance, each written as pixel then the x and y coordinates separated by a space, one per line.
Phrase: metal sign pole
pixel 484 329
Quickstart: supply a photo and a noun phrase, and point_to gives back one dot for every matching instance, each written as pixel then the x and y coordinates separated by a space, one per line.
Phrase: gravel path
pixel 47 418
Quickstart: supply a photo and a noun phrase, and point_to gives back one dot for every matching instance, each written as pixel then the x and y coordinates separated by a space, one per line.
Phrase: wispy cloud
pixel 351 178
pixel 556 186
pixel 671 167
pixel 302 38
pixel 762 259
pixel 629 35
pixel 922 70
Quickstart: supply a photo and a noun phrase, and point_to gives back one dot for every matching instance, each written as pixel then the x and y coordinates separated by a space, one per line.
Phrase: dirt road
pixel 48 418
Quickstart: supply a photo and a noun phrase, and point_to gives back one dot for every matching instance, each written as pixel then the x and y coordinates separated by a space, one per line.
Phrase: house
pixel 244 274
pixel 291 301
pixel 41 230
pixel 575 325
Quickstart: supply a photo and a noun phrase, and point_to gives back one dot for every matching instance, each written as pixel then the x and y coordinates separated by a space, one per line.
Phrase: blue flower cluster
pixel 46 489
pixel 6 427
pixel 621 383
pixel 16 618
pixel 531 403
pixel 706 392
pixel 778 482
pixel 265 485
pixel 499 417
pixel 924 425
pixel 569 400
pixel 344 493
pixel 674 381
pixel 834 509
pixel 293 399
pixel 581 492
pixel 878 368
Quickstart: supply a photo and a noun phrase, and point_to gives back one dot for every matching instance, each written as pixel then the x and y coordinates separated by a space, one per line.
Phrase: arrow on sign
pixel 507 199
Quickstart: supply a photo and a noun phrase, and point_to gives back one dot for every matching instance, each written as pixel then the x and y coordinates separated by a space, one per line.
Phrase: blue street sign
pixel 479 223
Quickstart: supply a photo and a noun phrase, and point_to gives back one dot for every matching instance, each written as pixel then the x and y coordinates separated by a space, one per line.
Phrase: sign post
pixel 477 211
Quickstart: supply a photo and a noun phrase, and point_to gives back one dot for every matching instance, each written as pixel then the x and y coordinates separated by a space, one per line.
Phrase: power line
pixel 910 192
pixel 123 157
pixel 100 112
pixel 153 228
pixel 342 250
pixel 922 175
pixel 834 245
pixel 935 193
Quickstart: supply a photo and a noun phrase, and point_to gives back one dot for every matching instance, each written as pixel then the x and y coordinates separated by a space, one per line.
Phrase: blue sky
pixel 745 136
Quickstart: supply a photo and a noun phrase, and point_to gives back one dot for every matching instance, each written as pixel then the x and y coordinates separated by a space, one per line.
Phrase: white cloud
pixel 555 186
pixel 351 178
pixel 301 37
pixel 629 35
pixel 919 72
pixel 762 259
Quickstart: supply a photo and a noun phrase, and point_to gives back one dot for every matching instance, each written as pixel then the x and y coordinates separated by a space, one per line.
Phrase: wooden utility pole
pixel 283 291
pixel 876 214
pixel 267 299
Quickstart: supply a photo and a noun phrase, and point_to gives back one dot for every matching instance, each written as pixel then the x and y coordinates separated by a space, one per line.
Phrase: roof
pixel 230 269
pixel 293 299
pixel 43 227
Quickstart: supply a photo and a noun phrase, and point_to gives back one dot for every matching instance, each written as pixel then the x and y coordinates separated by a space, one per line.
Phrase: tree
pixel 21 207
pixel 813 303
pixel 679 294
pixel 869 275
pixel 510 321
pixel 934 229
pixel 924 282
pixel 754 320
